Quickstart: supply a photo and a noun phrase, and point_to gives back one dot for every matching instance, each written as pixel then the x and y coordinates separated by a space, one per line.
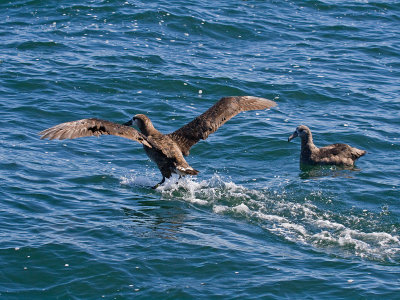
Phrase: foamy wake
pixel 281 213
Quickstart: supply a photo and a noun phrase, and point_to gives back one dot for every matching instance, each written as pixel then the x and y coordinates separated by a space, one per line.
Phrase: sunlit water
pixel 78 217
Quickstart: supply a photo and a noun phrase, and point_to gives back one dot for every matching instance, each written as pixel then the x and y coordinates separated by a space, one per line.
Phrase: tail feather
pixel 357 153
pixel 186 171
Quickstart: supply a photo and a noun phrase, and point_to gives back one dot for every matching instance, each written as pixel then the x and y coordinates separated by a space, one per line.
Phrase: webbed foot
pixel 158 184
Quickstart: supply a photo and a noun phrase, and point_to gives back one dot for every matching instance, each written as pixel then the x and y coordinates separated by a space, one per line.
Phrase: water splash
pixel 138 179
pixel 285 213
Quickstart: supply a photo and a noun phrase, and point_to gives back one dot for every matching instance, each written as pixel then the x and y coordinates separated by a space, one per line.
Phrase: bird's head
pixel 302 131
pixel 142 122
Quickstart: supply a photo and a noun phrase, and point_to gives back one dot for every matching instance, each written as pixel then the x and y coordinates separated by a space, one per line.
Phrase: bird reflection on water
pixel 317 171
pixel 162 221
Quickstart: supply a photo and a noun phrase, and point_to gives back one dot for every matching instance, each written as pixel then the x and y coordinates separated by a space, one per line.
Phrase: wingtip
pixel 254 103
pixel 267 103
pixel 271 104
pixel 42 134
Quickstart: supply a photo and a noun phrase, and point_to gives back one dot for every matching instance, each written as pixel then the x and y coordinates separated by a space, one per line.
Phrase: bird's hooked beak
pixel 294 135
pixel 129 123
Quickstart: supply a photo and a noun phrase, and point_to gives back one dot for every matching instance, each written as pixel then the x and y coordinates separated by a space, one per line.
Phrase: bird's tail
pixel 357 153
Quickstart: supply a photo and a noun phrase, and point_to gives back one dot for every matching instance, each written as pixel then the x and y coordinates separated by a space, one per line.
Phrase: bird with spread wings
pixel 166 150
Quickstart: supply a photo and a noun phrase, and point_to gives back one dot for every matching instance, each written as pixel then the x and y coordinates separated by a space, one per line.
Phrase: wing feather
pixel 92 127
pixel 217 115
pixel 335 149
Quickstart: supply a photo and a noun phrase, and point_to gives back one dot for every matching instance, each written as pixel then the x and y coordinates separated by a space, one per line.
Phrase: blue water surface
pixel 78 219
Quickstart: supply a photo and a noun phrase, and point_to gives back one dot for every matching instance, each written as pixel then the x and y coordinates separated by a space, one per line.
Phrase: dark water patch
pixel 96 87
pixel 93 8
pixel 316 95
pixel 11 166
pixel 12 24
pixel 379 51
pixel 338 30
pixel 22 3
pixel 350 8
pixel 28 85
pixel 94 179
pixel 127 60
pixel 31 45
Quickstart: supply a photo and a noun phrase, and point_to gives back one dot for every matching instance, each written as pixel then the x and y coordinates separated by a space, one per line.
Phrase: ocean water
pixel 78 219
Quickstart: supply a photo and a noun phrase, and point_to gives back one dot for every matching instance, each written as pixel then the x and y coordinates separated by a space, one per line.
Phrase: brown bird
pixel 335 154
pixel 166 150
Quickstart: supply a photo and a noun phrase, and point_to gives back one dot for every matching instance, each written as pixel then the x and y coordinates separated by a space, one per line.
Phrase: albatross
pixel 335 154
pixel 166 150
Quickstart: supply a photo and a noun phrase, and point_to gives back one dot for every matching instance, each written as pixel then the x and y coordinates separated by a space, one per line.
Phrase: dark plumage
pixel 336 154
pixel 166 150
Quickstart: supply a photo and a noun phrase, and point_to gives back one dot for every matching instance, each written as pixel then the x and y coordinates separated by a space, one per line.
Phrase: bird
pixel 166 150
pixel 335 154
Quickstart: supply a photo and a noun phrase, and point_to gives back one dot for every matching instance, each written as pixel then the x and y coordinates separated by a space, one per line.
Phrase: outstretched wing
pixel 92 127
pixel 217 115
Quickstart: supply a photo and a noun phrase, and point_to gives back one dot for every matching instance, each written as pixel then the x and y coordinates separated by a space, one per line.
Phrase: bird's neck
pixel 149 130
pixel 307 147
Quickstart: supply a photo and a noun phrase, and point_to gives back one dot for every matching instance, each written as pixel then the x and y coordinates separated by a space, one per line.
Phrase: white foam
pixel 187 189
pixel 279 212
pixel 329 224
pixel 323 236
pixel 220 208
pixel 296 227
pixel 242 208
pixel 272 218
pixel 362 240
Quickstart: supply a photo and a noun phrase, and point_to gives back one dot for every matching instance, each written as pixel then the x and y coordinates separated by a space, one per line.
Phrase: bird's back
pixel 167 155
pixel 337 154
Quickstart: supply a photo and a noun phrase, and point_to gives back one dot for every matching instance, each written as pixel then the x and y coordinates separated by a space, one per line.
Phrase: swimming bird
pixel 166 150
pixel 335 154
